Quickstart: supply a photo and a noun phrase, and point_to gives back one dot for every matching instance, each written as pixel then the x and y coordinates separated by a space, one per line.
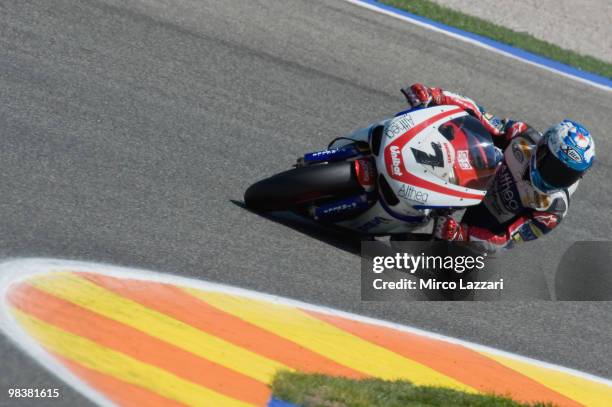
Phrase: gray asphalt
pixel 128 127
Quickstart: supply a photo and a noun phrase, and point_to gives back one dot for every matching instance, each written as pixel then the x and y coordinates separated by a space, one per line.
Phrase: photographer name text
pixel 433 284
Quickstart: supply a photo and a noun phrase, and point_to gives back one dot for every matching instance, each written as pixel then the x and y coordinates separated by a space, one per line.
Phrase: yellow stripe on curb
pixel 585 391
pixel 327 340
pixel 252 335
pixel 119 365
pixel 86 294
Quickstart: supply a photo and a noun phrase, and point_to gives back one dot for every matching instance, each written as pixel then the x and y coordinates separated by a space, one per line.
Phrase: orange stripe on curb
pixel 118 391
pixel 134 343
pixel 141 342
pixel 453 360
pixel 182 306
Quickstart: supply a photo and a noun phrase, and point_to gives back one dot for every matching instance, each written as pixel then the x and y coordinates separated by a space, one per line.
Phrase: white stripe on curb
pixel 17 270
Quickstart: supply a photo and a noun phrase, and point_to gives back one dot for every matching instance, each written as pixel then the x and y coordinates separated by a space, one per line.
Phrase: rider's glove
pixel 448 228
pixel 419 95
pixel 511 129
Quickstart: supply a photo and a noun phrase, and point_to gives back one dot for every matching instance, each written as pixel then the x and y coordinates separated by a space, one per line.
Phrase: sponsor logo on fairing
pixel 463 159
pixel 396 160
pixel 448 153
pixel 399 126
pixel 411 193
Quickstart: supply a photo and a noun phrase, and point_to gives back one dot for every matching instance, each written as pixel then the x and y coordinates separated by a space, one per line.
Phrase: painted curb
pixel 133 337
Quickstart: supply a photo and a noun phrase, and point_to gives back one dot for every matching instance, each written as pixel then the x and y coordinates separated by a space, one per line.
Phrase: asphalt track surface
pixel 128 128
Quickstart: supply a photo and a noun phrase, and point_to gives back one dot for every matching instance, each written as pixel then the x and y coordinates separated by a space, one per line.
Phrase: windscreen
pixel 476 158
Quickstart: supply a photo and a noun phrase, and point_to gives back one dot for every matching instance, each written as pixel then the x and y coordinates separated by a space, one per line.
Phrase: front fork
pixel 364 170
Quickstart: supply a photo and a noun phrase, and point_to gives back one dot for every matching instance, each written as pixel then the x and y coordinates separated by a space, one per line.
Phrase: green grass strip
pixel 445 15
pixel 315 390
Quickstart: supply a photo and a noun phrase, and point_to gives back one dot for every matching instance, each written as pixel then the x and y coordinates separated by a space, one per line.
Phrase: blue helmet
pixel 565 152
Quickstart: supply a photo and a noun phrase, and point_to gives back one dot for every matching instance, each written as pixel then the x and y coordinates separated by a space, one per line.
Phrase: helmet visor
pixel 552 170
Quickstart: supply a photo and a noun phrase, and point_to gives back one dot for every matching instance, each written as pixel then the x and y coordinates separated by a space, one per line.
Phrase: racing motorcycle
pixel 391 177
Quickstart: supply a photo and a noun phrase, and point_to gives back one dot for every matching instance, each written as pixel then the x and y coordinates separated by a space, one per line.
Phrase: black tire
pixel 294 188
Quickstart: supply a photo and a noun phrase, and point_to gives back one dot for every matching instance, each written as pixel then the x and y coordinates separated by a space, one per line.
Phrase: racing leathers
pixel 513 210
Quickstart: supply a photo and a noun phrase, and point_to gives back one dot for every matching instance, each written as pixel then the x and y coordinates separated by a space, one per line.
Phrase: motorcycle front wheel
pixel 297 187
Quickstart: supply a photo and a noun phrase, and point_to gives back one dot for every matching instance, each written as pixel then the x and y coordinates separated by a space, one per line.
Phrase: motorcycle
pixel 389 178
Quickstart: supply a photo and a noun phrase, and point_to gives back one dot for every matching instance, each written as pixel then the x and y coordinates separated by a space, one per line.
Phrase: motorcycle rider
pixel 532 188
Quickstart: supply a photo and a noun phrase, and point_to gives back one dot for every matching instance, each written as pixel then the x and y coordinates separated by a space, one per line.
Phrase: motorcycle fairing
pixel 423 167
pixel 377 220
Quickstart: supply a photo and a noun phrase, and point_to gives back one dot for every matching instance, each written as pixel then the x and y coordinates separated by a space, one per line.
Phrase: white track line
pixel 475 42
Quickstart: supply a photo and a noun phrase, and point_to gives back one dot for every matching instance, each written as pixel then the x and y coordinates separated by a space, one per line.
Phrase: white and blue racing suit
pixel 513 210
